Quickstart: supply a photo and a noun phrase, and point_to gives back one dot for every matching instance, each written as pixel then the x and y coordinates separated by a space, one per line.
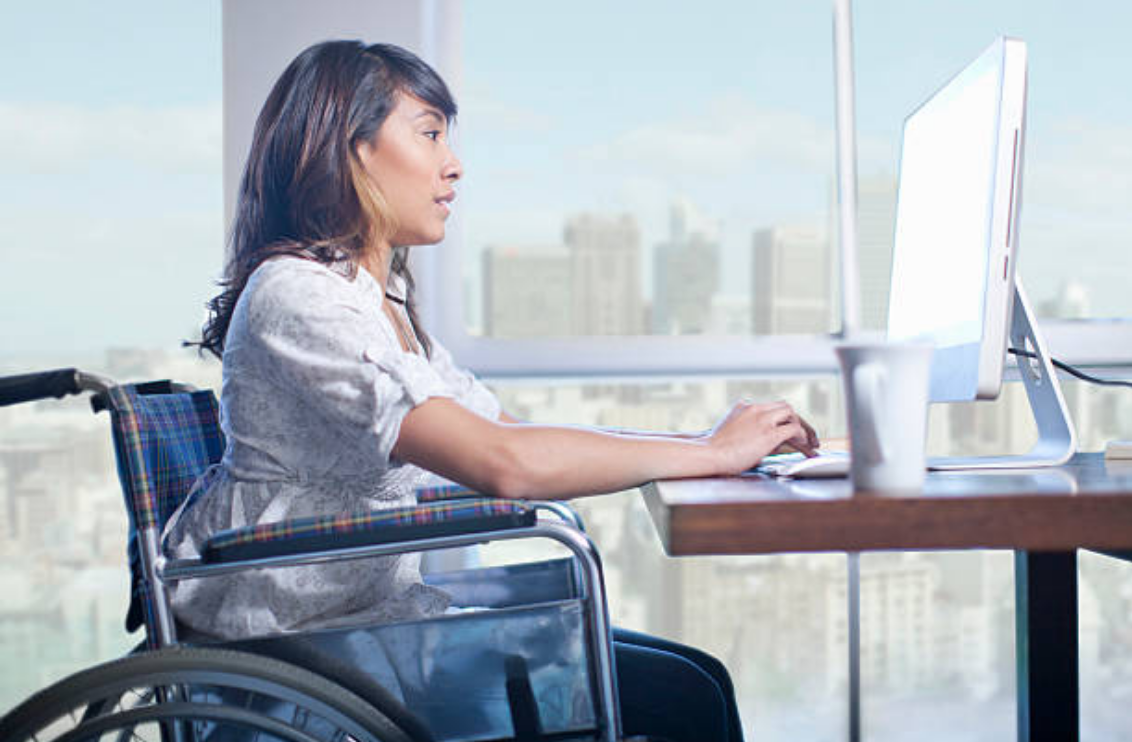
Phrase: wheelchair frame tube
pixel 562 510
pixel 600 632
pixel 148 542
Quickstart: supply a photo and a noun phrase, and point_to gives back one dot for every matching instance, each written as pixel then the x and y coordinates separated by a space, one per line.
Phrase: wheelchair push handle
pixel 57 384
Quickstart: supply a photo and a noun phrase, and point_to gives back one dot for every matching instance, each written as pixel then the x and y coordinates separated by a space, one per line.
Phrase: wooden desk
pixel 1044 515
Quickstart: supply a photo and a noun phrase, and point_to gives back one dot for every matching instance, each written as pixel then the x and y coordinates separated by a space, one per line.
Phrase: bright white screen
pixel 943 225
pixel 943 214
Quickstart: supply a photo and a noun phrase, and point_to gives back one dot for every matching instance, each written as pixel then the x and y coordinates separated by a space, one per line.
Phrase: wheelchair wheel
pixel 197 695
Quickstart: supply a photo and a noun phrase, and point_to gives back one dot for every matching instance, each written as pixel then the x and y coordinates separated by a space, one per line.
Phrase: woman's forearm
pixel 517 459
pixel 553 462
pixel 556 462
pixel 504 417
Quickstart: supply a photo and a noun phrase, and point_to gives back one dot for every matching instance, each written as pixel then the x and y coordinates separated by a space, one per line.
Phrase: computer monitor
pixel 955 253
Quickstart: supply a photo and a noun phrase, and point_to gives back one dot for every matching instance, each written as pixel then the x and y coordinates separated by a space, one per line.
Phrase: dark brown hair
pixel 304 191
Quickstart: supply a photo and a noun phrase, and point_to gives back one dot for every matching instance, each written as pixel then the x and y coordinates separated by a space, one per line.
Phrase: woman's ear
pixel 365 151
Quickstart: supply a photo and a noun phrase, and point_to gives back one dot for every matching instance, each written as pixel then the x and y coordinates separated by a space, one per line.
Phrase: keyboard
pixel 826 465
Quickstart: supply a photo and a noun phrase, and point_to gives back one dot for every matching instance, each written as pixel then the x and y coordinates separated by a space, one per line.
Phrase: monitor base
pixel 1057 439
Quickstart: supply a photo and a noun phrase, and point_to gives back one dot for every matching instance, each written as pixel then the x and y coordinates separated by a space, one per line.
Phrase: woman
pixel 335 399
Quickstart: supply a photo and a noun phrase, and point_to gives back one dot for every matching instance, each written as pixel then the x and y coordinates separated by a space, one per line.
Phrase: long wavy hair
pixel 304 191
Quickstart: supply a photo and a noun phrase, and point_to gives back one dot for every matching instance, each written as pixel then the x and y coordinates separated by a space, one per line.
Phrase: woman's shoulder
pixel 284 269
pixel 292 279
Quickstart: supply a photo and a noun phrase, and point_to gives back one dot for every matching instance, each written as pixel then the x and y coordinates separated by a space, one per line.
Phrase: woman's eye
pixel 434 135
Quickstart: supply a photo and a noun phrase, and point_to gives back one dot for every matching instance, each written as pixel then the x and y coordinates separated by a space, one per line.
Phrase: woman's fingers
pixel 797 438
pixel 811 435
pixel 807 439
pixel 751 431
pixel 802 438
pixel 800 445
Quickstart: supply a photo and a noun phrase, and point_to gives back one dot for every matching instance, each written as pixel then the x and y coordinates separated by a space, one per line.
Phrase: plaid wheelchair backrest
pixel 163 442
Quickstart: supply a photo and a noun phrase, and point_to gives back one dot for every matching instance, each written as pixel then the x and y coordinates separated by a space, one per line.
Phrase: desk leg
pixel 1045 590
pixel 853 591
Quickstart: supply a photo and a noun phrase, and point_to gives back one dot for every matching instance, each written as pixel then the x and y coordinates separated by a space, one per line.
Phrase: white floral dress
pixel 315 387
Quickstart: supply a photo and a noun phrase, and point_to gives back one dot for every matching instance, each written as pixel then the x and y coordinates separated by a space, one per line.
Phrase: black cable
pixel 1072 371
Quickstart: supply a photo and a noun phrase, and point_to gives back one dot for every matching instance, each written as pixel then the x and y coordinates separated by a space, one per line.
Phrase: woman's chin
pixel 420 239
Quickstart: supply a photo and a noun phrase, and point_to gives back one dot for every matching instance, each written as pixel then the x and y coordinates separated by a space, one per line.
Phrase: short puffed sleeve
pixel 319 338
pixel 469 391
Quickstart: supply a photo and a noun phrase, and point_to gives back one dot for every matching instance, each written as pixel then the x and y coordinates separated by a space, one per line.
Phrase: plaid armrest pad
pixel 443 492
pixel 330 532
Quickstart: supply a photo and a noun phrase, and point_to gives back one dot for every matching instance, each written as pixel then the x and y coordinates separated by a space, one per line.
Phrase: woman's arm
pixel 513 459
pixel 505 417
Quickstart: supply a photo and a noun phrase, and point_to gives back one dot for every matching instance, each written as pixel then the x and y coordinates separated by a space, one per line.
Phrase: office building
pixel 685 275
pixel 7 526
pixel 876 223
pixel 897 624
pixel 605 267
pixel 1071 302
pixel 526 291
pixel 791 280
pixel 730 315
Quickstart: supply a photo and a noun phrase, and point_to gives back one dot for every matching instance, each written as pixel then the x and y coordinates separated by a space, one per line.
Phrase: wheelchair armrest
pixel 450 492
pixel 442 492
pixel 330 532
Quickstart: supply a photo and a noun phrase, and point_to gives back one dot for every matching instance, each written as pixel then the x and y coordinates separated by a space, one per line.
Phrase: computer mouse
pixel 826 465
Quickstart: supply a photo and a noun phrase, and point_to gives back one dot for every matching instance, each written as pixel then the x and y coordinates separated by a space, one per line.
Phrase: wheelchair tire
pixel 210 694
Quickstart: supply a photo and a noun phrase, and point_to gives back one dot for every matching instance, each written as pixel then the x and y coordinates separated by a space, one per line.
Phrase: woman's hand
pixel 751 431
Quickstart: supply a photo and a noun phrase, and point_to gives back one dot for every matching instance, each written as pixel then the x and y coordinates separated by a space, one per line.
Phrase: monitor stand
pixel 1057 439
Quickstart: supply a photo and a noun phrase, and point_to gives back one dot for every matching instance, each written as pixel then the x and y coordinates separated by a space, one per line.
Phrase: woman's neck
pixel 377 262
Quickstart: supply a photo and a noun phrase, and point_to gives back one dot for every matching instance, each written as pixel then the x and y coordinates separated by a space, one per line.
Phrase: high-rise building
pixel 730 314
pixel 898 631
pixel 605 274
pixel 1070 302
pixel 876 226
pixel 685 276
pixel 791 280
pixel 526 291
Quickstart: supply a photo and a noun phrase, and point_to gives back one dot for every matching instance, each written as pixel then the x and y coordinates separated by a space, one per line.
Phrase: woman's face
pixel 415 170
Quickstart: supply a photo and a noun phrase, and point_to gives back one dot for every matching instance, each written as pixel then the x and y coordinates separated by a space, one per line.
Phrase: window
pixel 669 176
pixel 1078 179
pixel 111 225
pixel 652 166
pixel 673 176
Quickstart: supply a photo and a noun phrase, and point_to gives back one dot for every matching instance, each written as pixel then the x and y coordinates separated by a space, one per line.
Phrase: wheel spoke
pixel 199 692
pixel 299 717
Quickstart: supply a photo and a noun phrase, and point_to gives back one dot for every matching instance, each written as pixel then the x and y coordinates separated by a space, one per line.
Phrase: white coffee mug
pixel 886 401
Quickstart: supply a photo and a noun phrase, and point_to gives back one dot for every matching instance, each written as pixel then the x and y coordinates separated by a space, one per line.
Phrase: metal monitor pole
pixel 850 297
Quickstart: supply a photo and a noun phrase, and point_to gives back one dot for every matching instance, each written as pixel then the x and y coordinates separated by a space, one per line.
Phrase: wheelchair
pixel 530 659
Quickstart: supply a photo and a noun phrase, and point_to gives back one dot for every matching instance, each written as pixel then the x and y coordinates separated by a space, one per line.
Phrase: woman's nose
pixel 453 168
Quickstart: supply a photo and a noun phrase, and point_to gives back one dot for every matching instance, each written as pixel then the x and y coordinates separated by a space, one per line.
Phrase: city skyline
pixel 558 289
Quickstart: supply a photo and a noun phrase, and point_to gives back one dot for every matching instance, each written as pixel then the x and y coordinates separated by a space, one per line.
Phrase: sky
pixel 110 191
pixel 110 138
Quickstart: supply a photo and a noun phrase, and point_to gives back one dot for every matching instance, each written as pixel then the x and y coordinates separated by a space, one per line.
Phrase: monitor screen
pixel 950 282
